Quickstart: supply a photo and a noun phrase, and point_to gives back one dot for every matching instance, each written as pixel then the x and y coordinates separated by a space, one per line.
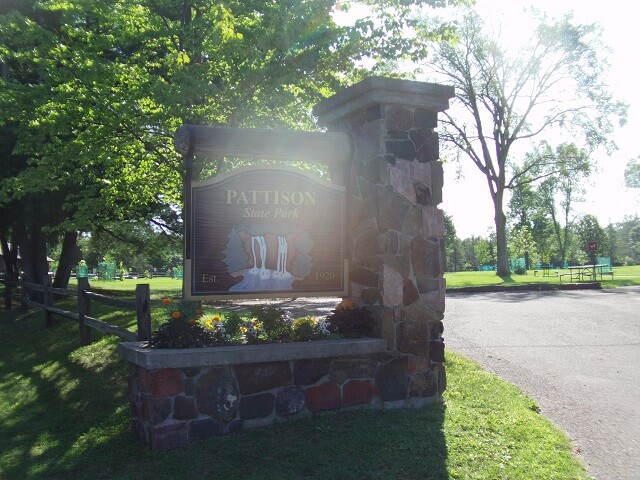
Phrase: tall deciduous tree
pixel 504 97
pixel 92 91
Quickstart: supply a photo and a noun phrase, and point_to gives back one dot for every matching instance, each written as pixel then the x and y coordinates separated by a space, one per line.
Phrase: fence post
pixel 24 308
pixel 47 300
pixel 143 312
pixel 84 309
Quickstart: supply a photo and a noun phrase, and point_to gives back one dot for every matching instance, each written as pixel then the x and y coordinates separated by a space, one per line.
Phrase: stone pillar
pixel 396 230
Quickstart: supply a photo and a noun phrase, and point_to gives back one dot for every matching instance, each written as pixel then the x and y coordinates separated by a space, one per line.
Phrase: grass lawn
pixel 622 276
pixel 64 414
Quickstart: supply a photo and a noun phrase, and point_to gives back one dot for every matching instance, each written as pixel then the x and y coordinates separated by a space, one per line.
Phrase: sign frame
pixel 193 290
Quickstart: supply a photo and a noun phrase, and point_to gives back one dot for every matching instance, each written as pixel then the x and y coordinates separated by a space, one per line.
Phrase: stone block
pixel 364 277
pixel 423 384
pixel 442 378
pixel 392 287
pixel 370 296
pixel 184 408
pixel 423 118
pixel 168 437
pixel 398 119
pixel 413 224
pixel 217 394
pixel 167 382
pixel 423 194
pixel 289 400
pixel 417 364
pixel 155 410
pixel 392 381
pixel 402 149
pixel 366 243
pixel 436 351
pixel 402 183
pixel 410 293
pixel 413 336
pixel 437 182
pixel 389 242
pixel 367 139
pixel 343 369
pixel 257 406
pixel 325 396
pixel 209 428
pixel 433 221
pixel 391 209
pixel 358 392
pixel 258 377
pixel 308 372
pixel 429 151
pixel 426 258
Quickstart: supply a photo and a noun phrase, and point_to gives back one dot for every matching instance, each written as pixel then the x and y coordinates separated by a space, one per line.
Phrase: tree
pixel 589 230
pixel 91 93
pixel 632 173
pixel 452 246
pixel 502 99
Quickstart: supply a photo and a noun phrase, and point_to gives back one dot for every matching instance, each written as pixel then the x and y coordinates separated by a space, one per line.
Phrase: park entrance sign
pixel 266 232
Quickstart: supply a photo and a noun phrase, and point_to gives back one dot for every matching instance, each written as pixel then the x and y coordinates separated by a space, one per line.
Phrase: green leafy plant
pixel 183 329
pixel 309 328
pixel 350 321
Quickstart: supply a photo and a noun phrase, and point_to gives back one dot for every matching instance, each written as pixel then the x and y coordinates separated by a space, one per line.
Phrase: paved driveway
pixel 577 353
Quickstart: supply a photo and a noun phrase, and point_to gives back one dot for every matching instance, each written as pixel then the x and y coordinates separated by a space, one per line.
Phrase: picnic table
pixel 585 273
pixel 546 270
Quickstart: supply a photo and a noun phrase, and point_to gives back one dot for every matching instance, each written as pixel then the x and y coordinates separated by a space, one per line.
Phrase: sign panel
pixel 266 232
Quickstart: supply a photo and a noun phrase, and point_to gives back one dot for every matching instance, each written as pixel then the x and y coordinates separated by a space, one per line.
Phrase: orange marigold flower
pixel 166 301
pixel 176 315
pixel 192 321
pixel 348 303
pixel 216 319
pixel 199 313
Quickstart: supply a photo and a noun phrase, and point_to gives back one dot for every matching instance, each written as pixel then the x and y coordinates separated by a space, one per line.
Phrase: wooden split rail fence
pixel 19 291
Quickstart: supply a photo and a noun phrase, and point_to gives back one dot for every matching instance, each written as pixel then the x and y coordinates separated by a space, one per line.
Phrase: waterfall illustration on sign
pixel 266 260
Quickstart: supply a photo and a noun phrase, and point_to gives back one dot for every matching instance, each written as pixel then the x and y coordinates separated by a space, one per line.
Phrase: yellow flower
pixel 176 315
pixel 166 301
pixel 209 323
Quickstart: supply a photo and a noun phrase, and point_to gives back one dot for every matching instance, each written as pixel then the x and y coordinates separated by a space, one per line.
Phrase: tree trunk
pixel 69 256
pixel 501 238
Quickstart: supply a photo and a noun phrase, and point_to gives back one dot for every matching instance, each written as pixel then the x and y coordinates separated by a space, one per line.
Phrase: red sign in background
pixel 266 232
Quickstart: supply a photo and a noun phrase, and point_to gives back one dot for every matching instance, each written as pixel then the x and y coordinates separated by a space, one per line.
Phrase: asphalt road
pixel 576 353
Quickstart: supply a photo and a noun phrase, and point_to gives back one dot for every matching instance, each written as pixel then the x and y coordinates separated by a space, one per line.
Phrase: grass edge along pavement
pixel 488 280
pixel 65 415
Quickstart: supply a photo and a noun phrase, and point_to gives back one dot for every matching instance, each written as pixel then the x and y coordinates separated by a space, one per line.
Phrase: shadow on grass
pixel 507 279
pixel 69 419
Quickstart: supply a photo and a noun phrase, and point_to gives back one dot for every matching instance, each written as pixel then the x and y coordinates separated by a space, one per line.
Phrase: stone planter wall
pixel 172 407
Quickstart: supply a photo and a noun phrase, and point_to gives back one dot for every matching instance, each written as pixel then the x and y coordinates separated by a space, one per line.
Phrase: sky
pixel 467 199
